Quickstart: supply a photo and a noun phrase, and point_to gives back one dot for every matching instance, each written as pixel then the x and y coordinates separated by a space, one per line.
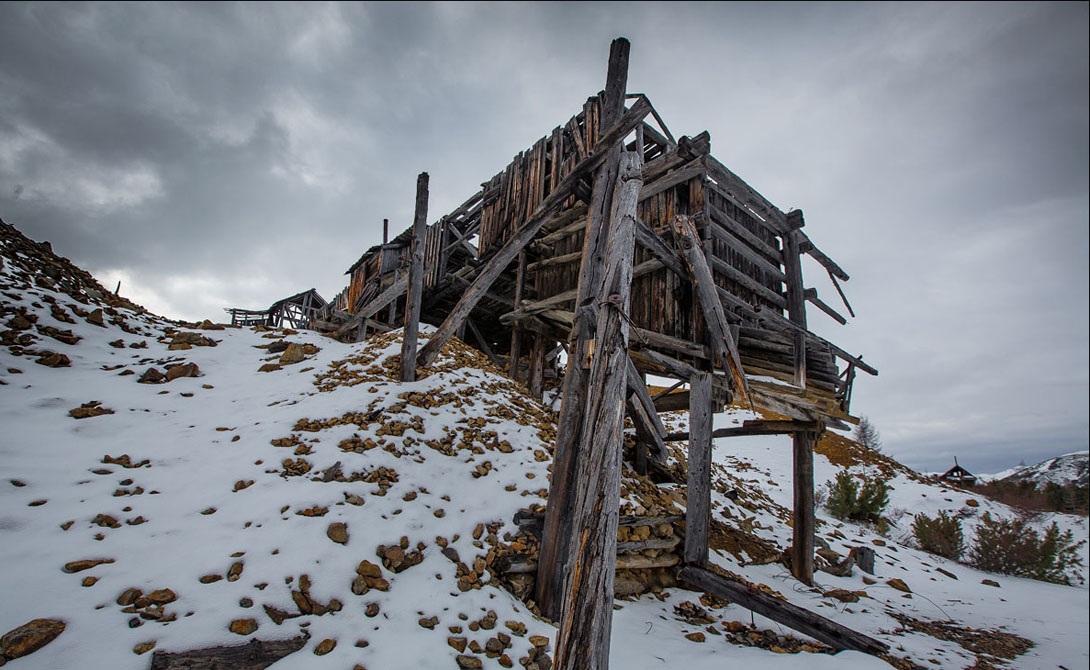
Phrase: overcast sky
pixel 212 155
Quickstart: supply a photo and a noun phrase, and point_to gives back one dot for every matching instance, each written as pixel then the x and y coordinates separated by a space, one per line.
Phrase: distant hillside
pixel 1069 468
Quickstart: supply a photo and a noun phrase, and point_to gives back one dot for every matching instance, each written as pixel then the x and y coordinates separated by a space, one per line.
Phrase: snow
pixel 187 431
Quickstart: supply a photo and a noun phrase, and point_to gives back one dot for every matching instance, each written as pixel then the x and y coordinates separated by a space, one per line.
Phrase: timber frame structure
pixel 638 254
pixel 295 311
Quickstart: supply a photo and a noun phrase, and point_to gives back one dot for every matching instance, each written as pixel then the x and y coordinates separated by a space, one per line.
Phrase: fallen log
pixel 803 620
pixel 256 655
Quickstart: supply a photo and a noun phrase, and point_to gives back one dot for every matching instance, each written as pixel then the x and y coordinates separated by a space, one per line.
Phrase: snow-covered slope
pixel 1069 468
pixel 325 498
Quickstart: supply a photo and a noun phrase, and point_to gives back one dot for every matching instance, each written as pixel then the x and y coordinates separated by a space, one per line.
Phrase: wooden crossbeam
pixel 507 253
pixel 816 626
pixel 757 427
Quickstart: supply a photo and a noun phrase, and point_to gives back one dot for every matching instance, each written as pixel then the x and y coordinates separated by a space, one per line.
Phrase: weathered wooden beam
pixel 562 259
pixel 742 248
pixel 671 180
pixel 256 655
pixel 756 427
pixel 715 319
pixel 843 298
pixel 796 295
pixel 661 363
pixel 812 296
pixel 736 275
pixel 557 537
pixel 416 282
pixel 806 246
pixel 653 242
pixel 698 493
pixel 507 253
pixel 645 419
pixel 516 332
pixel 735 186
pixel 816 626
pixel 537 366
pixel 582 641
pixel 637 386
pixel 392 293
pixel 802 554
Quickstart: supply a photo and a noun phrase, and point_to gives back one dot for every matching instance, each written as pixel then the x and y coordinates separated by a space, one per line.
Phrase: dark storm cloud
pixel 231 154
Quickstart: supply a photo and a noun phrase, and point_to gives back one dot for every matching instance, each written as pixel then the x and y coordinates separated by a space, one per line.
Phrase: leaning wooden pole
pixel 416 282
pixel 557 533
pixel 587 607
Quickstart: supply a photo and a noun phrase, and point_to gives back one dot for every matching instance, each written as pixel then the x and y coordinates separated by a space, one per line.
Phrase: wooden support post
pixel 796 293
pixel 516 331
pixel 536 380
pixel 587 607
pixel 385 231
pixel 416 282
pixel 698 497
pixel 802 557
pixel 565 485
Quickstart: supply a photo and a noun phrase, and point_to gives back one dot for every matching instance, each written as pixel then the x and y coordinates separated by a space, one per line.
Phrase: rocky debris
pixel 369 576
pixel 89 409
pixel 143 647
pixel 293 354
pixel 987 645
pixel 845 596
pixel 208 325
pixel 458 643
pixel 692 613
pixel 243 626
pixel 95 318
pixel 37 261
pixel 242 484
pixel 62 336
pixel 152 376
pixel 183 340
pixel 182 370
pixel 990 582
pixel 467 662
pixel 29 638
pixel 695 637
pixel 338 532
pixel 85 564
pixel 52 359
pixel 899 584
pixel 125 461
pixel 324 647
pixel 269 367
pixel 398 558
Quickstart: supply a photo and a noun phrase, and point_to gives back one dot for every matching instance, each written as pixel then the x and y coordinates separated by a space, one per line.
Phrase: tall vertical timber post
pixel 586 617
pixel 565 482
pixel 698 494
pixel 802 559
pixel 416 282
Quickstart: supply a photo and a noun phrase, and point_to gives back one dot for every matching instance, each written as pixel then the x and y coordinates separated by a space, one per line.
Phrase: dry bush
pixel 941 535
pixel 1012 547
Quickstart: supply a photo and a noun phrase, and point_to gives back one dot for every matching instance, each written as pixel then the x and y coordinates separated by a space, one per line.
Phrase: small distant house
pixel 959 476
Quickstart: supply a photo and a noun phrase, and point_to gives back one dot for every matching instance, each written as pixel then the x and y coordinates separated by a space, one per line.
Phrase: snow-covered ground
pixel 235 481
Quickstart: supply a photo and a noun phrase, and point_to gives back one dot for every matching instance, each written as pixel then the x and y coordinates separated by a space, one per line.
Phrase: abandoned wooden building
pixel 958 476
pixel 711 295
pixel 295 311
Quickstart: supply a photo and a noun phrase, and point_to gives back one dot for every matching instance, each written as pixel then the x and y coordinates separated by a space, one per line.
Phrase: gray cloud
pixel 230 154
